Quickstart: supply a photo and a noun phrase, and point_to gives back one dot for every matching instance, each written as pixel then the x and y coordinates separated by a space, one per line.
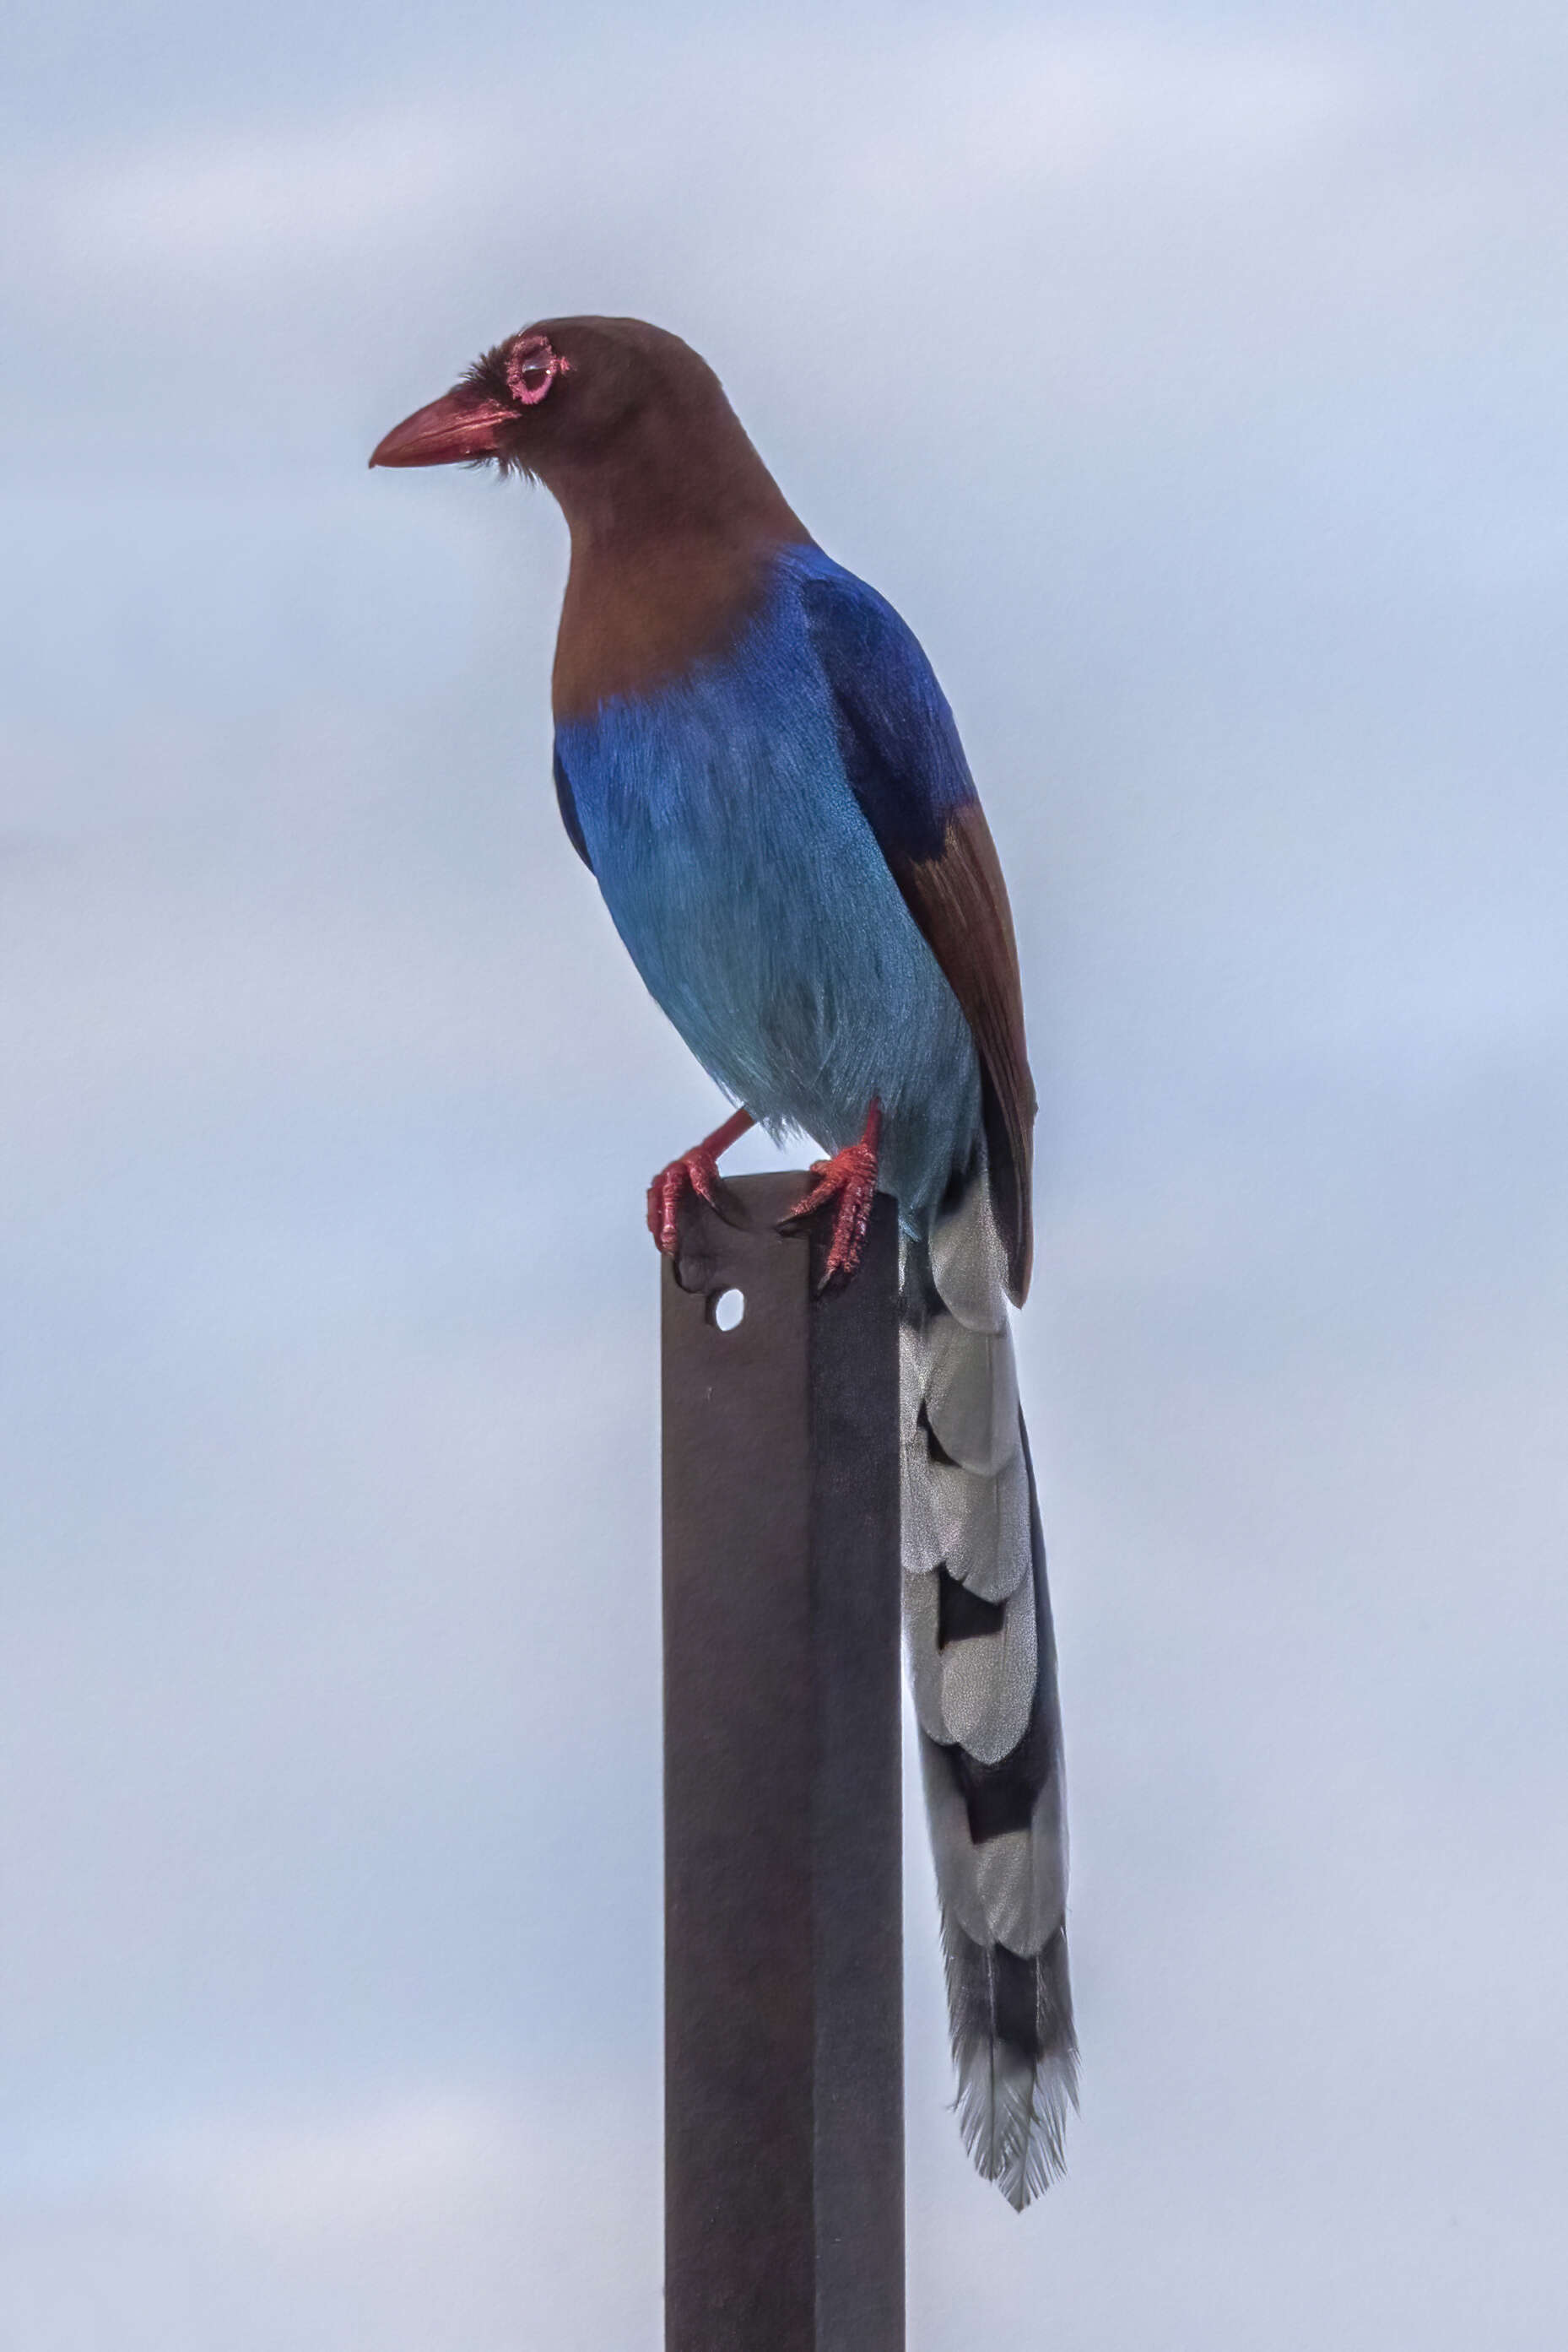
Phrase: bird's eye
pixel 532 368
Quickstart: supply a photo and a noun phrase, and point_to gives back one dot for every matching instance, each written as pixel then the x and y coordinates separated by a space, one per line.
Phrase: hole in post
pixel 726 1308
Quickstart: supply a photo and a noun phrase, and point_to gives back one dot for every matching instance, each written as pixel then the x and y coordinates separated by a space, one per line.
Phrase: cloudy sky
pixel 1192 378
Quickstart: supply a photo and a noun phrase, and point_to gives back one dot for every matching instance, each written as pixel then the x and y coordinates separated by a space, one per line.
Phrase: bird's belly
pixel 763 917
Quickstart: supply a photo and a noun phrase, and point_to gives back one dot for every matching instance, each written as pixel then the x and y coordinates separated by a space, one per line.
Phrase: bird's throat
pixel 642 608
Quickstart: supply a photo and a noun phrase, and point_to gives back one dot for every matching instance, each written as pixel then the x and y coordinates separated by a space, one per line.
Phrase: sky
pixel 1191 378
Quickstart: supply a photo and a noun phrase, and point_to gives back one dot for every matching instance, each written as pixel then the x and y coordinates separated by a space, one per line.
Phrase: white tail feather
pixel 982 1667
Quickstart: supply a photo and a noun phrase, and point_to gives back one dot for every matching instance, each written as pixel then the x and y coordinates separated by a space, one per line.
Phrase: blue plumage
pixel 897 737
pixel 750 879
pixel 754 759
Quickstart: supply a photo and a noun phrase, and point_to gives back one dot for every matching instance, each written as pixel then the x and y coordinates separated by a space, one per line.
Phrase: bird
pixel 754 760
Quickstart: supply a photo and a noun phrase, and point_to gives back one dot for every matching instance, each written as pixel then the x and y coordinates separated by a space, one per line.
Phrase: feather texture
pixel 754 900
pixel 907 769
pixel 982 1667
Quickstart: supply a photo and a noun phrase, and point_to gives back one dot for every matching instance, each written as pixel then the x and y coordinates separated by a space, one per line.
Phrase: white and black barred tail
pixel 983 1661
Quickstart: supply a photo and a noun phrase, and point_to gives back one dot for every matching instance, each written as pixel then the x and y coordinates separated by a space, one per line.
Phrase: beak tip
pixel 448 432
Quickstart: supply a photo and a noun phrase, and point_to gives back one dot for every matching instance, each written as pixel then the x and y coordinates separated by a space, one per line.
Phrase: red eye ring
pixel 531 368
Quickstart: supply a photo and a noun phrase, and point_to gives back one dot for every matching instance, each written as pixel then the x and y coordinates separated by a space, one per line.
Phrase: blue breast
pixel 755 902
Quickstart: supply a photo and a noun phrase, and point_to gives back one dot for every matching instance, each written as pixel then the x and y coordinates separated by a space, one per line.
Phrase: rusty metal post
pixel 784 2002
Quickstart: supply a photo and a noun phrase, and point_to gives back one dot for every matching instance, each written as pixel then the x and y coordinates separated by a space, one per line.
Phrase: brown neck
pixel 671 546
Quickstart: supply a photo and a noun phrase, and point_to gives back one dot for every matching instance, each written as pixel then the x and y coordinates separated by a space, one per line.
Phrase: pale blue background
pixel 1193 378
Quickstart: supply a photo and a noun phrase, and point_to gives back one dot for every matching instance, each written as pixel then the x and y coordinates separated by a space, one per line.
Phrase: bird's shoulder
pixel 896 735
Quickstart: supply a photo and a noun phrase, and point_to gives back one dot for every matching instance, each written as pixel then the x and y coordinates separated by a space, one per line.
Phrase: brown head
pixel 672 513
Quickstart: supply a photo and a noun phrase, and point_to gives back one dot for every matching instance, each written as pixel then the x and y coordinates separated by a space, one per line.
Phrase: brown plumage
pixel 960 902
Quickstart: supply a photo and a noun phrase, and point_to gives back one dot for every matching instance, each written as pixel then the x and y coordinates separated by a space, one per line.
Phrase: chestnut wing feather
pixel 960 902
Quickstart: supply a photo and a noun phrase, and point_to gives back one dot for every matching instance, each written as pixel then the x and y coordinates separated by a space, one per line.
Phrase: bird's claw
pixel 696 1172
pixel 848 1182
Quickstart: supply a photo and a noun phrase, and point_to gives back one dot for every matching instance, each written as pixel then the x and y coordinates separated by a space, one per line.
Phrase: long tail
pixel 977 1615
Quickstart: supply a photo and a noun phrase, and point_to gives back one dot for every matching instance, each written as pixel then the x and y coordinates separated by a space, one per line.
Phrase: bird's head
pixel 612 415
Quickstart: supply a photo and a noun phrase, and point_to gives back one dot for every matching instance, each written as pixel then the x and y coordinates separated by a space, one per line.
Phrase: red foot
pixel 696 1172
pixel 849 1181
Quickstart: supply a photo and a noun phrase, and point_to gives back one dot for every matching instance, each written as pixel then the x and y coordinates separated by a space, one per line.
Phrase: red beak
pixel 461 425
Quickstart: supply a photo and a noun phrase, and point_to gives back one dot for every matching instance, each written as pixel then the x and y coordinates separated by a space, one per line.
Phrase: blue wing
pixel 906 767
pixel 896 733
pixel 566 802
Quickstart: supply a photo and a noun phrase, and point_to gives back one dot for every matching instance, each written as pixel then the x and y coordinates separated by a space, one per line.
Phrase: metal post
pixel 783 2000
